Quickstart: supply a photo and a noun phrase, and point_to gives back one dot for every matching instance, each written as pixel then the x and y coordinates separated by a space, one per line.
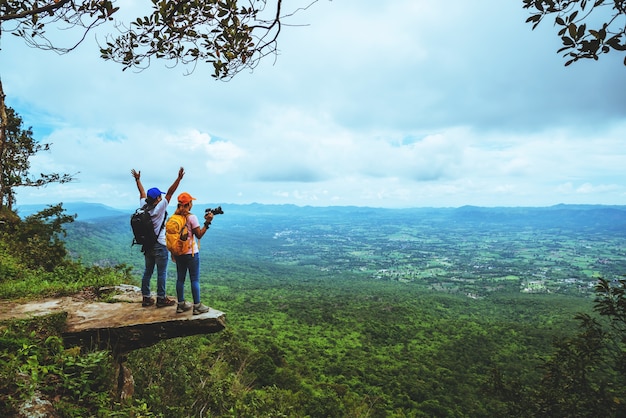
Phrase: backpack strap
pixel 163 224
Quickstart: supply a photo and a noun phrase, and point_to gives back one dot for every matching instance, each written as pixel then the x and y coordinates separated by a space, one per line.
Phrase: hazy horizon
pixel 200 205
pixel 410 103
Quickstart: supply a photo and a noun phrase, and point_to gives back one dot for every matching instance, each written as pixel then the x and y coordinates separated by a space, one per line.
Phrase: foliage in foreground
pixel 225 34
pixel 33 359
pixel 587 29
pixel 584 376
pixel 35 362
pixel 34 262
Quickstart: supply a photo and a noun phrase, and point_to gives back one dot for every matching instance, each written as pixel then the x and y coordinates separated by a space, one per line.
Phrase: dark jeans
pixel 187 263
pixel 156 256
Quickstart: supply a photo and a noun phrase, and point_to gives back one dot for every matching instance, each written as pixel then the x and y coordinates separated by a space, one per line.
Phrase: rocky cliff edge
pixel 121 324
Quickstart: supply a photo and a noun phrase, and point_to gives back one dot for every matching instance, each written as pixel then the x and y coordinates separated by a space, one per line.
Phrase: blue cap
pixel 154 193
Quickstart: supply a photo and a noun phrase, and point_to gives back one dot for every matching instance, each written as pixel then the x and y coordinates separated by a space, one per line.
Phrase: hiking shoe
pixel 199 308
pixel 147 301
pixel 163 302
pixel 183 307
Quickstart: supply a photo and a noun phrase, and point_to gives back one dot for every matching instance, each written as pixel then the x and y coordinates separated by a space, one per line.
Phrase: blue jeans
pixel 187 263
pixel 156 256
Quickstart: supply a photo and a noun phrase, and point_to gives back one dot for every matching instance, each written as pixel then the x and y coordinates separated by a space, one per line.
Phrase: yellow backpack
pixel 178 238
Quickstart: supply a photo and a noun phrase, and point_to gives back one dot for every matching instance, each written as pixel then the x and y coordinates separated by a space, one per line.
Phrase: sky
pixel 402 103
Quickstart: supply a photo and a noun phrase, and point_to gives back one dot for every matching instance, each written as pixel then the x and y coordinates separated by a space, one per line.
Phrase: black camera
pixel 217 211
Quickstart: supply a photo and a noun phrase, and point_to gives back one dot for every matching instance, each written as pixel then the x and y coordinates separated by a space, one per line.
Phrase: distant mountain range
pixel 88 211
pixel 85 211
pixel 606 215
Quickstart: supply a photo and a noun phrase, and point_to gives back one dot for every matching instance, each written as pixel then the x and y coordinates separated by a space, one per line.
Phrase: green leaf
pixel 572 30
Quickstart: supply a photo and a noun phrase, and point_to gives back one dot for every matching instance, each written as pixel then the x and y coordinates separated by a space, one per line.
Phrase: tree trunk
pixel 3 136
pixel 125 380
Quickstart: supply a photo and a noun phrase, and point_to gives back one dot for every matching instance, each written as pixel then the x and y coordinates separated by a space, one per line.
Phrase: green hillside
pixel 315 329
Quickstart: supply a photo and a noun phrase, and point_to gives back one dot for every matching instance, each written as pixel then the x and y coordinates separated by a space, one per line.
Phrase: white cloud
pixel 403 103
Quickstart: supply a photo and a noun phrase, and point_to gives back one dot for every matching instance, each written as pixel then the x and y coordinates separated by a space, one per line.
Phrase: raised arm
pixel 174 186
pixel 137 176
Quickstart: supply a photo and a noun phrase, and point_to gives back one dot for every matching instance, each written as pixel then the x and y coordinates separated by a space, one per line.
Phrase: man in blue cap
pixel 157 255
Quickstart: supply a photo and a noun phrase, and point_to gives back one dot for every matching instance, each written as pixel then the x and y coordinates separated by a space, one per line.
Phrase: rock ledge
pixel 122 325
